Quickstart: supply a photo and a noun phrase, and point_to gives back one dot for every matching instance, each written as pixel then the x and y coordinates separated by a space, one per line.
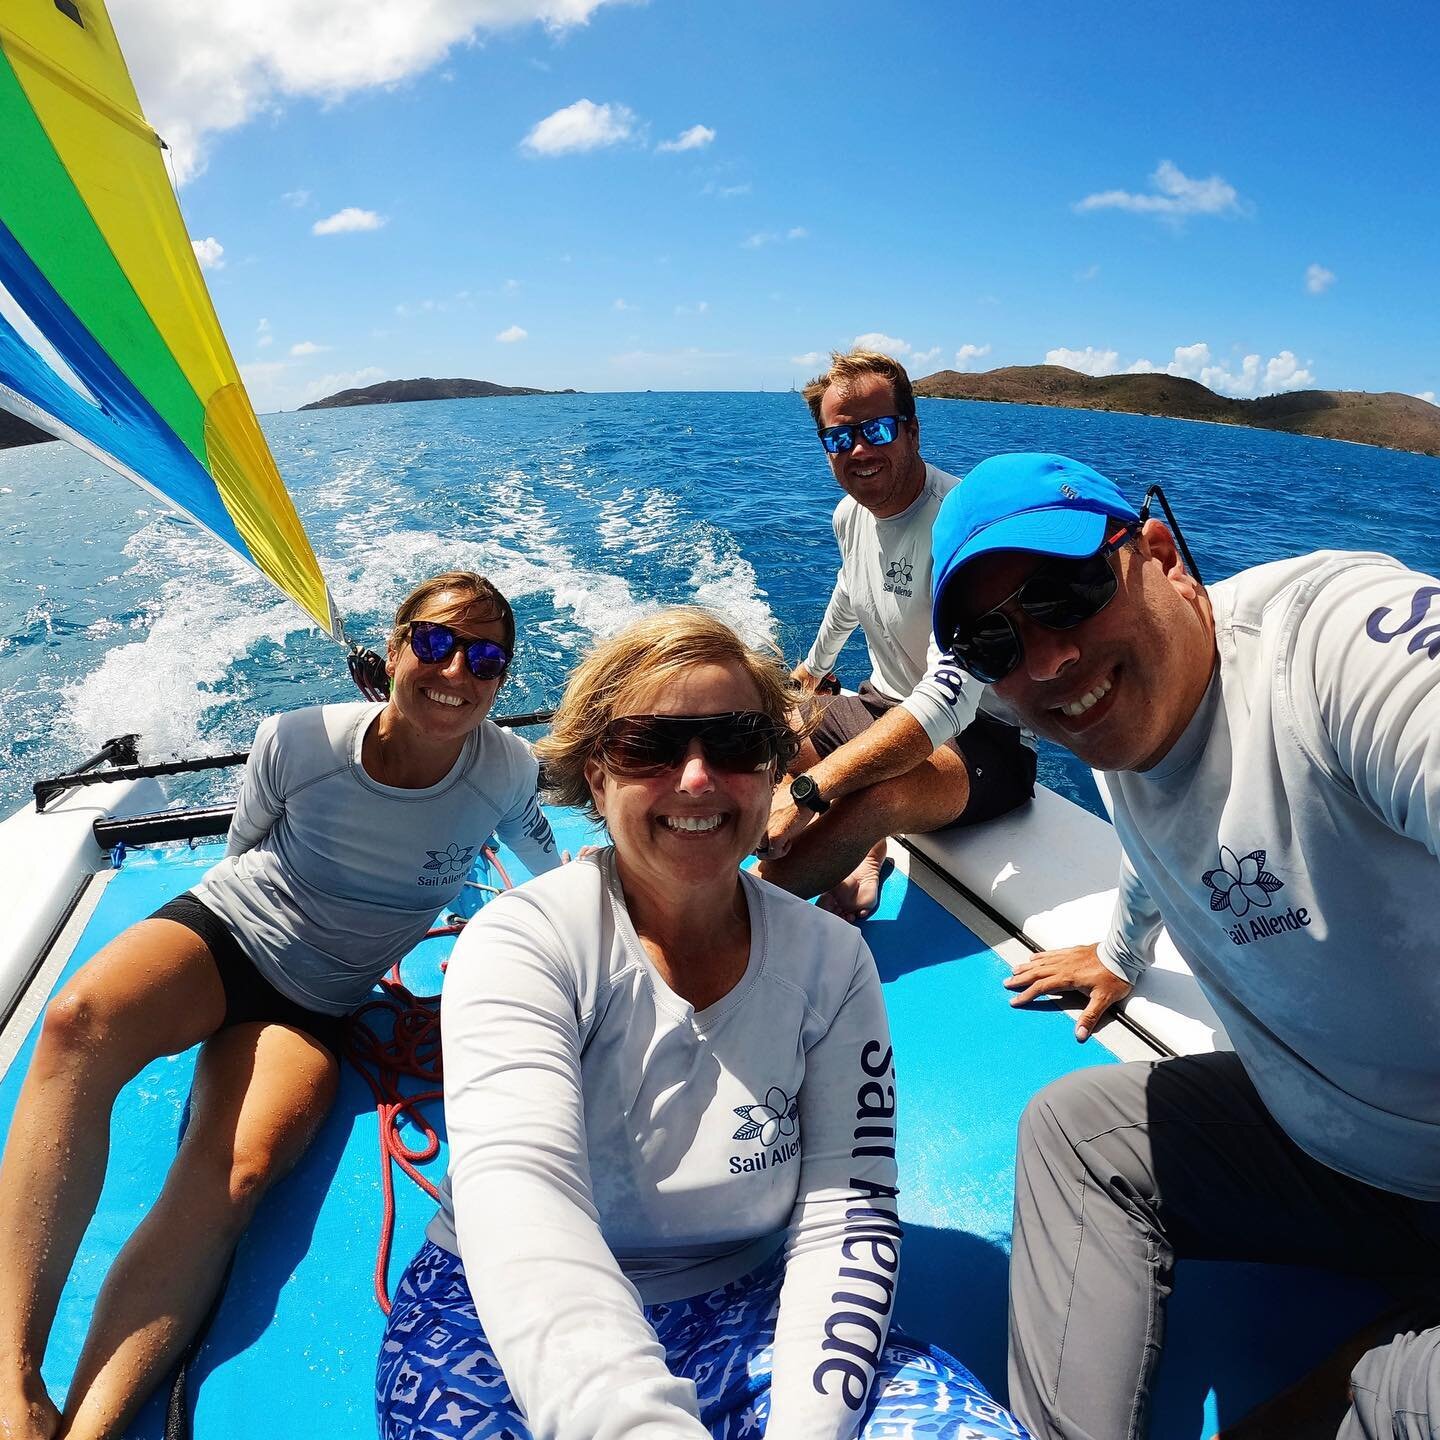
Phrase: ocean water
pixel 117 615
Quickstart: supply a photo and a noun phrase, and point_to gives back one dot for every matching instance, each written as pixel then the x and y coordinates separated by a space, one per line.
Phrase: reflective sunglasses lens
pixel 881 431
pixel 740 744
pixel 990 650
pixel 1062 597
pixel 431 641
pixel 486 659
pixel 641 744
pixel 838 438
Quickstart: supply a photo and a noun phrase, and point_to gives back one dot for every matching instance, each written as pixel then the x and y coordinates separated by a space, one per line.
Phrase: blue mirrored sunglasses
pixel 882 430
pixel 434 643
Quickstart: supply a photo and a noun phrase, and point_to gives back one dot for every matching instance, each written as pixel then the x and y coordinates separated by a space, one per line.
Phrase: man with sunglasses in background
pixel 1270 751
pixel 909 753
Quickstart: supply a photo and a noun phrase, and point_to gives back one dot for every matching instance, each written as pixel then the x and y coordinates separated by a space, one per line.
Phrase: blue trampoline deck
pixel 295 1341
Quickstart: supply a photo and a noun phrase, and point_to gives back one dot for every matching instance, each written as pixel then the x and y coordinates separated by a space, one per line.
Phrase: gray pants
pixel 1124 1168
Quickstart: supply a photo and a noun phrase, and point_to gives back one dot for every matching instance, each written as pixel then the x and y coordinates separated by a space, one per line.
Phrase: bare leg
pixel 261 1093
pixel 840 841
pixel 152 991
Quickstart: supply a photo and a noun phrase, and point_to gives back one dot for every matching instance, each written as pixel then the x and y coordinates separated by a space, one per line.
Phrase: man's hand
pixel 787 820
pixel 806 678
pixel 1076 968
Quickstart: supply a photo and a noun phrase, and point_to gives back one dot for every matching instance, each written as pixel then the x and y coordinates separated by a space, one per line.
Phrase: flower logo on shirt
pixel 1240 884
pixel 448 861
pixel 901 571
pixel 778 1116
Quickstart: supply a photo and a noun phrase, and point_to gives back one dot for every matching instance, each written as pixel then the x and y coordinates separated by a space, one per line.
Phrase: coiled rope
pixel 407 1048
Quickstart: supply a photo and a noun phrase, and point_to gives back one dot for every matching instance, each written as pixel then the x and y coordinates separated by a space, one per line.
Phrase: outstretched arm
pixel 566 1325
pixel 843 1251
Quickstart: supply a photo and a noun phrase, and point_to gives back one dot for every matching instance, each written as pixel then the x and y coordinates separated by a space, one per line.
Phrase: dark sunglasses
pixel 738 742
pixel 880 431
pixel 1060 594
pixel 435 643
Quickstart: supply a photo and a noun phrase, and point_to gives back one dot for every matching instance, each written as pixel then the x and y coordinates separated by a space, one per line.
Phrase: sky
pixel 686 195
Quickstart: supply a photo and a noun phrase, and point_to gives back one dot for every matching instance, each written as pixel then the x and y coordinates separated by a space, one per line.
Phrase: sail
pixel 124 356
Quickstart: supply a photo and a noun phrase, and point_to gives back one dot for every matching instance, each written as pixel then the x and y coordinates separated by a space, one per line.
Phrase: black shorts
pixel 1000 764
pixel 249 996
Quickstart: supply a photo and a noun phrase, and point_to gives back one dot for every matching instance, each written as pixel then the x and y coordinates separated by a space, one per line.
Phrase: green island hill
pixel 1389 419
pixel 394 392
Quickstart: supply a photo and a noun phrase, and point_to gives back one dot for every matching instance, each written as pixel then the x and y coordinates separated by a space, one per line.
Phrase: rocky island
pixel 1388 418
pixel 394 392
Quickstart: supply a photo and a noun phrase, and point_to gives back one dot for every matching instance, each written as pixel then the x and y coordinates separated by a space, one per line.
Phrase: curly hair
pixel 639 660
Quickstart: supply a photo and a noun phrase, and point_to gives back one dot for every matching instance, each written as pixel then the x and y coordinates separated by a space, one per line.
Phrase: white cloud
pixel 700 307
pixel 511 335
pixel 923 357
pixel 298 198
pixel 263 337
pixel 885 344
pixel 209 252
pixel 509 287
pixel 1088 361
pixel 307 347
pixel 344 380
pixel 620 305
pixel 1088 273
pixel 1255 376
pixel 1175 196
pixel 695 138
pixel 245 58
pixel 770 237
pixel 351 218
pixel 810 360
pixel 967 353
pixel 726 192
pixel 1427 395
pixel 1318 279
pixel 580 127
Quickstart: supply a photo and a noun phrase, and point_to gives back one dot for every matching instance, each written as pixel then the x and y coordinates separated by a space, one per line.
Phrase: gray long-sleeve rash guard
pixel 1288 843
pixel 883 586
pixel 610 1146
pixel 329 877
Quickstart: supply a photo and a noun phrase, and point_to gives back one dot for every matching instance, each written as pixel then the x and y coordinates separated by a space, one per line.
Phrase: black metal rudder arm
pixel 48 790
pixel 118 750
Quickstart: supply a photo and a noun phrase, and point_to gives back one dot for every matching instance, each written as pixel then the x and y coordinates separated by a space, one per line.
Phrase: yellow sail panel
pixel 254 494
pixel 114 269
pixel 76 81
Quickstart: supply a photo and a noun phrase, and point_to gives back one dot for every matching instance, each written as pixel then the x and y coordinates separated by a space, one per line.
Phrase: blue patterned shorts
pixel 438 1379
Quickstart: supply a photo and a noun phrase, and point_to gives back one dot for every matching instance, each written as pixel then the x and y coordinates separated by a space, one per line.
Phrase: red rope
pixel 408 1048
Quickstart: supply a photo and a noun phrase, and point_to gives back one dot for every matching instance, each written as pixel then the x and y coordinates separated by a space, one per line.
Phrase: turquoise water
pixel 115 615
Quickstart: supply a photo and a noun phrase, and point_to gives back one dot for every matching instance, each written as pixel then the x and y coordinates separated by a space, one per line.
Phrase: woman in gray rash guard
pixel 352 829
pixel 670 1101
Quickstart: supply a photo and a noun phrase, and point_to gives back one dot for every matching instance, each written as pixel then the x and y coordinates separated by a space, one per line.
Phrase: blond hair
pixel 641 658
pixel 848 366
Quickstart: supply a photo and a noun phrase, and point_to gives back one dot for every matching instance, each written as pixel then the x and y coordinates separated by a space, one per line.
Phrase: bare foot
pixel 856 896
pixel 28 1414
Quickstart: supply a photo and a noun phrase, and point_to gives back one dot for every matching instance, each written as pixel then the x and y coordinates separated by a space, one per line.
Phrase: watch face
pixel 804 791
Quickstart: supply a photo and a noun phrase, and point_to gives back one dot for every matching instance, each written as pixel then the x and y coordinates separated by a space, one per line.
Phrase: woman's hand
pixel 1076 968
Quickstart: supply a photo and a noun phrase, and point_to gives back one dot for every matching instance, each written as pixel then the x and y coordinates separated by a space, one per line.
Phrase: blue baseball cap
pixel 1047 504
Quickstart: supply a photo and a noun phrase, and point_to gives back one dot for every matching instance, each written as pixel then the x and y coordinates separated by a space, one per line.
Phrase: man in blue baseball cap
pixel 1270 751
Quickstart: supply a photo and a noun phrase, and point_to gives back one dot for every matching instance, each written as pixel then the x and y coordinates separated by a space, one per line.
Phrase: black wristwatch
pixel 804 791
